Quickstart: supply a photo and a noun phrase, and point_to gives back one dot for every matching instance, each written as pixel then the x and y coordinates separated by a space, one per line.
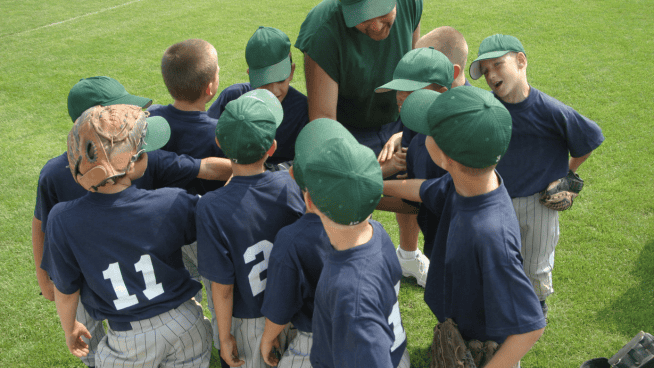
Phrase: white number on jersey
pixel 125 299
pixel 256 284
pixel 395 319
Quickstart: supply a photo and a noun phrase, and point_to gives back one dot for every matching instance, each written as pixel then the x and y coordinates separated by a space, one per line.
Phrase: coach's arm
pixel 215 168
pixel 322 91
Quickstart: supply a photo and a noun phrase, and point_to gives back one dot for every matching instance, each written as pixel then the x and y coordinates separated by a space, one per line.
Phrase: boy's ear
pixel 290 172
pixel 292 72
pixel 217 143
pixel 457 71
pixel 522 60
pixel 247 71
pixel 272 149
pixel 307 200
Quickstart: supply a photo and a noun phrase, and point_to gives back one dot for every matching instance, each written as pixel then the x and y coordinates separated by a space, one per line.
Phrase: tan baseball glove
pixel 448 350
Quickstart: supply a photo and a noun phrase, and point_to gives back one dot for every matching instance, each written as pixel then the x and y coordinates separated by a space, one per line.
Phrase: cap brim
pixel 415 110
pixel 130 100
pixel 475 68
pixel 271 102
pixel 270 74
pixel 364 10
pixel 402 85
pixel 158 133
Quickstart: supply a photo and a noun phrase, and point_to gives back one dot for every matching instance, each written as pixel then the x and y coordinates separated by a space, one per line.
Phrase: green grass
pixel 595 56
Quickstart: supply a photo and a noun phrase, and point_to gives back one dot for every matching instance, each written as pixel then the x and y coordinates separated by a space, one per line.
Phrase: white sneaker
pixel 416 267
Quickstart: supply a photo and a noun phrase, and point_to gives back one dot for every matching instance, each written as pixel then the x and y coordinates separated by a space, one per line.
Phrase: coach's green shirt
pixel 358 63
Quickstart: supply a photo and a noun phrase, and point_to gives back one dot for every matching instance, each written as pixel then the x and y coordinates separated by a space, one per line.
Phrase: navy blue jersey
pixel 56 183
pixel 419 165
pixel 296 116
pixel 192 133
pixel 356 319
pixel 123 251
pixel 295 265
pixel 544 132
pixel 237 225
pixel 476 275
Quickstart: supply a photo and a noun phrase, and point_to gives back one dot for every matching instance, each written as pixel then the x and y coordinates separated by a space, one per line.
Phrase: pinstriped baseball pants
pixel 96 329
pixel 299 349
pixel 248 333
pixel 180 337
pixel 539 234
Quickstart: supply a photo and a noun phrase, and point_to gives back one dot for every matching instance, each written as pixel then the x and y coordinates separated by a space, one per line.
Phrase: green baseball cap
pixel 247 127
pixel 342 176
pixel 493 47
pixel 268 56
pixel 467 123
pixel 419 68
pixel 103 91
pixel 359 11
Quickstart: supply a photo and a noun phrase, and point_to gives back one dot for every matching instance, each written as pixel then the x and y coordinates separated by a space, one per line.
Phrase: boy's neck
pixel 520 93
pixel 344 237
pixel 199 105
pixel 121 184
pixel 248 170
pixel 467 185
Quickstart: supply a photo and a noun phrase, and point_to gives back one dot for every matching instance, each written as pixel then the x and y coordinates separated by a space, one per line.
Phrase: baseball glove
pixel 482 352
pixel 448 350
pixel 560 193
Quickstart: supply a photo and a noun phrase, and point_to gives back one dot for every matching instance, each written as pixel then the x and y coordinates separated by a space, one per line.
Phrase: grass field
pixel 596 56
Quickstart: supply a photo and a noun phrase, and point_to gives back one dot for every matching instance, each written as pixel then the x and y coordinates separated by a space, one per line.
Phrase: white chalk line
pixel 69 20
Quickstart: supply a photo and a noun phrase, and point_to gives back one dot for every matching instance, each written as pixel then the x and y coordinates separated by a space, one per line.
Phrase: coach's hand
pixel 268 349
pixel 76 345
pixel 229 352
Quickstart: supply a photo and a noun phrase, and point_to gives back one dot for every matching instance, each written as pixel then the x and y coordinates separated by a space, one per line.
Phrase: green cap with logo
pixel 467 123
pixel 268 56
pixel 342 176
pixel 247 127
pixel 103 91
pixel 419 68
pixel 493 47
pixel 359 11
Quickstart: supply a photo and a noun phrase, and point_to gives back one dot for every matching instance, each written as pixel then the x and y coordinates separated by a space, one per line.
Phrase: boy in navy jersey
pixel 164 169
pixel 475 275
pixel 238 223
pixel 549 139
pixel 270 66
pixel 118 248
pixel 190 71
pixel 356 318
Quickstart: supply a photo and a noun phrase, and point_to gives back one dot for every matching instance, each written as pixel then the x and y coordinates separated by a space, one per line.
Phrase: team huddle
pixel 266 197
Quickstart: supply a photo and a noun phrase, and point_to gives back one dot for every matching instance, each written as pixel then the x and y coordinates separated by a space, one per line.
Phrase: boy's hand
pixel 76 345
pixel 396 164
pixel 229 352
pixel 270 350
pixel 390 148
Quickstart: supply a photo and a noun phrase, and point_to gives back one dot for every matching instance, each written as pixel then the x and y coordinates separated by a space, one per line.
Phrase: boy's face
pixel 503 75
pixel 435 152
pixel 280 89
pixel 380 27
pixel 400 96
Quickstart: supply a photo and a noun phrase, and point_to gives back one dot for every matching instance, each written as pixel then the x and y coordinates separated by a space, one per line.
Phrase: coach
pixel 350 48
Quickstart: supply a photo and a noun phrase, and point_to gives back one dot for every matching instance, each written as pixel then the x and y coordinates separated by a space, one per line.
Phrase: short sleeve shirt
pixel 123 251
pixel 237 225
pixel 476 276
pixel 358 63
pixel 544 132
pixel 356 320
pixel 294 269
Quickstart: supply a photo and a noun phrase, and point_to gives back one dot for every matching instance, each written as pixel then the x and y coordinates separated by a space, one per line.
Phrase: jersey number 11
pixel 125 299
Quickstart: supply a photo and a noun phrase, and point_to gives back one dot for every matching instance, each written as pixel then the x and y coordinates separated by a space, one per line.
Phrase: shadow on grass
pixel 420 357
pixel 633 310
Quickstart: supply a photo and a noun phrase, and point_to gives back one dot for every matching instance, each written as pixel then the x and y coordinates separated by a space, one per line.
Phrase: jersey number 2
pixel 125 299
pixel 256 284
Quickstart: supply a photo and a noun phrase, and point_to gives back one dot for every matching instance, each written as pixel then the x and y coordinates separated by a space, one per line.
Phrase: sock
pixel 407 255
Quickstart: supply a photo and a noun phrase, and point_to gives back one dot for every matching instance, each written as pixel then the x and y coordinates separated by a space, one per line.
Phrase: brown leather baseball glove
pixel 448 350
pixel 560 193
